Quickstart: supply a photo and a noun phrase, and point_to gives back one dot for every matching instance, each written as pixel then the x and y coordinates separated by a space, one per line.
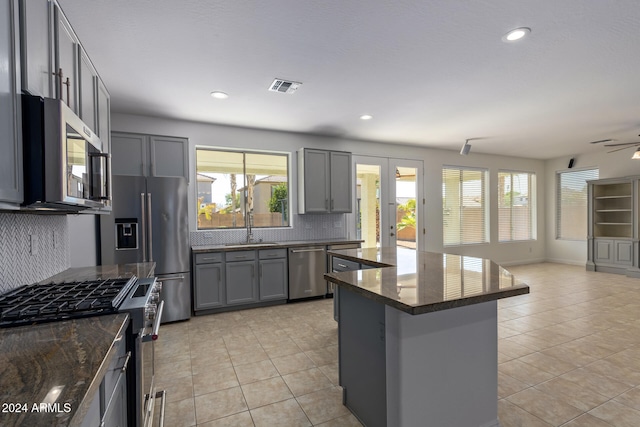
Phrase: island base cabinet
pixel 440 366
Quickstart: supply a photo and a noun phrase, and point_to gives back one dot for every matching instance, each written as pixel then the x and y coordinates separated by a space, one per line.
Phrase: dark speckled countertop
pixel 34 360
pixel 270 245
pixel 421 282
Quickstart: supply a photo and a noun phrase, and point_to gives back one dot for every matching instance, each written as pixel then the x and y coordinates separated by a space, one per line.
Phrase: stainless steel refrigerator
pixel 149 222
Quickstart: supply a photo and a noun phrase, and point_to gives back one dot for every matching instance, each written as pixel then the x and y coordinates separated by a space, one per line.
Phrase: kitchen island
pixel 418 340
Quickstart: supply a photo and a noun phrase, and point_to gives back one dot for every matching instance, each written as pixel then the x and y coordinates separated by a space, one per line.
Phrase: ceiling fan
pixel 621 146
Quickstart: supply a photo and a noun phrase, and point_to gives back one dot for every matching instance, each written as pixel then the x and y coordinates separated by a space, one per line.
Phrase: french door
pixel 389 202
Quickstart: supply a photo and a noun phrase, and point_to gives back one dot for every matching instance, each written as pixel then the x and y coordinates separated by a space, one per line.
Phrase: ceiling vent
pixel 284 86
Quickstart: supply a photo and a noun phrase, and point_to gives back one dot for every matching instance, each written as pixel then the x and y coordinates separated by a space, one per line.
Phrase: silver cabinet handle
pixel 126 362
pixel 209 259
pixel 240 256
pixel 326 204
pixel 261 271
pixel 163 394
pixel 331 204
pixel 144 228
pixel 342 265
pixel 295 251
pixel 150 227
pixel 252 271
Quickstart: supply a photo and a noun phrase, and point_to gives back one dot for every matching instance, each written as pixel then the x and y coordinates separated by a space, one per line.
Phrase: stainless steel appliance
pixel 307 266
pixel 149 222
pixel 64 166
pixel 41 303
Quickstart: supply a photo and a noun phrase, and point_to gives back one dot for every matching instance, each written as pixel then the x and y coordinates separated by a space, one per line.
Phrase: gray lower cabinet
pixel 613 251
pixel 10 122
pixel 242 286
pixel 273 279
pixel 239 278
pixel 149 155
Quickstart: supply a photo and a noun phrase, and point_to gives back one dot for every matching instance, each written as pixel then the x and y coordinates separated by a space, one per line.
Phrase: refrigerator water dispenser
pixel 126 234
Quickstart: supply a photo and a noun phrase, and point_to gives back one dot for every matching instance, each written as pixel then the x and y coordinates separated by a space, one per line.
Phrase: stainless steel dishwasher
pixel 307 266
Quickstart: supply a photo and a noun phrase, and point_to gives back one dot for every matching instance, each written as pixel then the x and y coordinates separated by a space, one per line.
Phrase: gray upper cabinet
pixel 103 103
pixel 324 181
pixel 36 23
pixel 87 94
pixel 66 50
pixel 149 155
pixel 10 117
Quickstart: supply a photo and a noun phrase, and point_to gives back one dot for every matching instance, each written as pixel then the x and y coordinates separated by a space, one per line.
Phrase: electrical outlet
pixel 33 242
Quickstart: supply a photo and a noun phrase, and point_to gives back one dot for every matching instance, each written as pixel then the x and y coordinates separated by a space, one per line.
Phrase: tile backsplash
pixel 19 264
pixel 306 227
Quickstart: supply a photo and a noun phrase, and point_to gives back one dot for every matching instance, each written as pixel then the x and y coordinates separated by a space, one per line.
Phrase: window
pixel 464 202
pixel 232 183
pixel 571 203
pixel 516 206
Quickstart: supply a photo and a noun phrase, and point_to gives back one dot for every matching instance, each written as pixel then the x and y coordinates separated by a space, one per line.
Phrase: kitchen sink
pixel 252 244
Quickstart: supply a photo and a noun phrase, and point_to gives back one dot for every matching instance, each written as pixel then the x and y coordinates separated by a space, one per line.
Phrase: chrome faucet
pixel 249 227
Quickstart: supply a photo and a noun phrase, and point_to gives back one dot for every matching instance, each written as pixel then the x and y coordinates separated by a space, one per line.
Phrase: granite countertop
pixel 37 359
pixel 142 269
pixel 269 245
pixel 421 282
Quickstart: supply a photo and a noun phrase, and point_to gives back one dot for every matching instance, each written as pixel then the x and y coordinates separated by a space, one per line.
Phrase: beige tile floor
pixel 568 355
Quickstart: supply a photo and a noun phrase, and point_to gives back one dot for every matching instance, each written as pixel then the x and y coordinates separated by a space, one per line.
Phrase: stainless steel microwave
pixel 65 168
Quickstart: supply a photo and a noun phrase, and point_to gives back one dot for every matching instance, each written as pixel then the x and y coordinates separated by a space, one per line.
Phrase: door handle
pixel 161 279
pixel 144 228
pixel 150 227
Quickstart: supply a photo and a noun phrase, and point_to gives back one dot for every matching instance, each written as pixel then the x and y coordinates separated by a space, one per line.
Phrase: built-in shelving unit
pixel 613 226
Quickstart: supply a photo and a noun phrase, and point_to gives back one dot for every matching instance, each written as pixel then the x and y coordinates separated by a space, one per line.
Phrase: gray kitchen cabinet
pixel 36 23
pixel 273 284
pixel 87 93
pixel 149 155
pixel 103 108
pixel 209 286
pixel 242 284
pixel 324 181
pixel 66 60
pixel 10 114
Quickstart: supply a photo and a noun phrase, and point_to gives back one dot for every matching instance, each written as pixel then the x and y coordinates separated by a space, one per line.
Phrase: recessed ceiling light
pixel 366 117
pixel 219 95
pixel 516 34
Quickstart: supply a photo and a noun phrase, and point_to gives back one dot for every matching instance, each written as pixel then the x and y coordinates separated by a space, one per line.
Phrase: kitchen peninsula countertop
pixel 39 359
pixel 141 269
pixel 427 282
pixel 269 245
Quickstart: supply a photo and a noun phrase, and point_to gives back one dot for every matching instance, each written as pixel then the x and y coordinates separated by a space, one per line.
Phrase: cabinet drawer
pixel 208 258
pixel 340 264
pixel 272 253
pixel 240 256
pixel 115 367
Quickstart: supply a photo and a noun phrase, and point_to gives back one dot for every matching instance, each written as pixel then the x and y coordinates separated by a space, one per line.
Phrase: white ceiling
pixel 432 73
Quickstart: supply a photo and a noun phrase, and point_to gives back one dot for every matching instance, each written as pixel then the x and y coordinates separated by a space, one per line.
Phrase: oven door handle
pixel 156 325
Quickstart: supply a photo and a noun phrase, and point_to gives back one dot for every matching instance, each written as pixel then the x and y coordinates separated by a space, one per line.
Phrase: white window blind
pixel 572 204
pixel 516 206
pixel 464 201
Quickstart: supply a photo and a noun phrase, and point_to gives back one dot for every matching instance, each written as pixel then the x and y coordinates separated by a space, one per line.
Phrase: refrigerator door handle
pixel 150 227
pixel 144 229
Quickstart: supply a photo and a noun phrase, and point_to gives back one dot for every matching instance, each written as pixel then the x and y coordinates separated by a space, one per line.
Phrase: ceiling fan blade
pixel 621 144
pixel 602 140
pixel 623 148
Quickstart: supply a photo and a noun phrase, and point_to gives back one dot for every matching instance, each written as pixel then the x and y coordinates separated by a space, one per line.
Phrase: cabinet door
pixel 10 126
pixel 103 105
pixel 273 279
pixel 66 55
pixel 340 182
pixel 128 154
pixel 603 251
pixel 241 282
pixel 169 156
pixel 316 181
pixel 116 413
pixel 87 78
pixel 209 286
pixel 36 42
pixel 623 252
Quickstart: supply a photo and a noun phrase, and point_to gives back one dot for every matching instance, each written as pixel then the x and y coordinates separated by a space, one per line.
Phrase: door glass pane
pixel 406 207
pixel 77 179
pixel 368 205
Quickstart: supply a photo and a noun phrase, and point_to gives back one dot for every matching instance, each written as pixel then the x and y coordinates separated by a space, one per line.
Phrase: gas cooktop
pixel 41 303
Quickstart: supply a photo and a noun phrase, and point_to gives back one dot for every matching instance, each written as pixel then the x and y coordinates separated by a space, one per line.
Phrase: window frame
pixel 485 206
pixel 531 203
pixel 244 152
pixel 558 210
